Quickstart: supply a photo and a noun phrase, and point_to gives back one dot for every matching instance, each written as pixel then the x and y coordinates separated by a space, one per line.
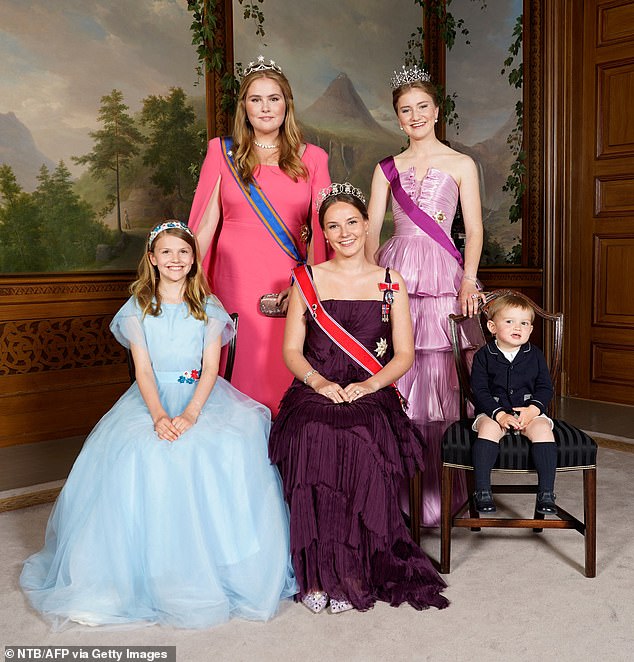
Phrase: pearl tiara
pixel 408 76
pixel 338 189
pixel 168 225
pixel 260 65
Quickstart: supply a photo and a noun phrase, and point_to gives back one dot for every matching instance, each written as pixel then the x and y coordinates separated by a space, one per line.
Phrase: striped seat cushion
pixel 575 449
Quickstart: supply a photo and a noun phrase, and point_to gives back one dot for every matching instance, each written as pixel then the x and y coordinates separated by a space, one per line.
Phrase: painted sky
pixel 485 98
pixel 59 57
pixel 366 39
pixel 315 41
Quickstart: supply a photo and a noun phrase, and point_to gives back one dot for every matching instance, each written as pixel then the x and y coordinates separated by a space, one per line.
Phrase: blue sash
pixel 262 207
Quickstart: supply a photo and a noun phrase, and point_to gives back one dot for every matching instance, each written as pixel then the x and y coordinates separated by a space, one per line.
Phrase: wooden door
pixel 600 332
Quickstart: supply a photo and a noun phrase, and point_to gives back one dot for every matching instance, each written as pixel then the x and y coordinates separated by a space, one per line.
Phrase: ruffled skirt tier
pixel 341 467
pixel 431 387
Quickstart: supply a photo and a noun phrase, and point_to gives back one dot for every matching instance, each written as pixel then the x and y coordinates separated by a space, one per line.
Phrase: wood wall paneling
pixel 60 367
pixel 614 196
pixel 615 22
pixel 614 257
pixel 600 227
pixel 615 91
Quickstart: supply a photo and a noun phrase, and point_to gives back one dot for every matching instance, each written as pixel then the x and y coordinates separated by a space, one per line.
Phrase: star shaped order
pixel 381 347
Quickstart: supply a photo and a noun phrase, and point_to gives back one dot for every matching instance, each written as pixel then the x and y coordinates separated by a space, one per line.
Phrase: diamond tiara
pixel 408 76
pixel 260 65
pixel 168 225
pixel 338 189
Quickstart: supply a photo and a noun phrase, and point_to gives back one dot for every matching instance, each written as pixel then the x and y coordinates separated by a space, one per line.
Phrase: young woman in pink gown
pixel 428 177
pixel 241 255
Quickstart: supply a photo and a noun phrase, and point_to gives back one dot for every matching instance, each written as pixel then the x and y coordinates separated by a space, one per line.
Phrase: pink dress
pixel 433 279
pixel 245 262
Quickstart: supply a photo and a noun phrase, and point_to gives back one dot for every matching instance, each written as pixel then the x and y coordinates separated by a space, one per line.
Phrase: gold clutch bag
pixel 269 307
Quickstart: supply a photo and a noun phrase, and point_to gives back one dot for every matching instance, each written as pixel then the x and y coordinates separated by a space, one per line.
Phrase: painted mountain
pixel 18 150
pixel 339 122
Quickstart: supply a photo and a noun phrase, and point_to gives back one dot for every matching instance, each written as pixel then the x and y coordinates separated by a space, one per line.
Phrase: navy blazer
pixel 499 384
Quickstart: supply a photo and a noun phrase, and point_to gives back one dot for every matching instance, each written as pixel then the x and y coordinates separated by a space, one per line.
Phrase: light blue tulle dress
pixel 188 533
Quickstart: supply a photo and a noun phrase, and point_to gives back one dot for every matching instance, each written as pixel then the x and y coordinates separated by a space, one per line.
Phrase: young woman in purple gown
pixel 425 182
pixel 341 439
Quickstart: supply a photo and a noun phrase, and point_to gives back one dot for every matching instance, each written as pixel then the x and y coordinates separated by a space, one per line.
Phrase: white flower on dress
pixel 381 347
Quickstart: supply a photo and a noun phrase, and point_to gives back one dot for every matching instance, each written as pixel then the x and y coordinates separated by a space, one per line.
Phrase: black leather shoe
pixel 546 503
pixel 484 501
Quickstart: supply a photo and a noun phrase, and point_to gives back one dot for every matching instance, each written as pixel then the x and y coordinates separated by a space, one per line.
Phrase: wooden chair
pixel 576 451
pixel 231 354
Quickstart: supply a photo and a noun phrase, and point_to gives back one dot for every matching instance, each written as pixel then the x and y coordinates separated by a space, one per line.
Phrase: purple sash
pixel 419 217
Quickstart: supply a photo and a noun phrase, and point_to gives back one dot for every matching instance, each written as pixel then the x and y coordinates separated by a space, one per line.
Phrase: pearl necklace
pixel 262 146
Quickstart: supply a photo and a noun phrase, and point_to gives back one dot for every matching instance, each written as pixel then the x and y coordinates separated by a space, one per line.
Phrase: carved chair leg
pixel 446 498
pixel 537 515
pixel 415 495
pixel 473 513
pixel 590 519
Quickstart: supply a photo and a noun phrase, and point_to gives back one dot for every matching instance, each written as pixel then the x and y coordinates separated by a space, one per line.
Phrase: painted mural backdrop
pixel 100 120
pixel 339 57
pixel 101 116
pixel 486 109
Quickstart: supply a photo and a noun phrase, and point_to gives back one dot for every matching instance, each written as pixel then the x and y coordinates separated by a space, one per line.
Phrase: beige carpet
pixel 515 596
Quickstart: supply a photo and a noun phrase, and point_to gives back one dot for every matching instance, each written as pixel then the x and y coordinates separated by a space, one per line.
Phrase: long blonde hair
pixel 291 138
pixel 145 288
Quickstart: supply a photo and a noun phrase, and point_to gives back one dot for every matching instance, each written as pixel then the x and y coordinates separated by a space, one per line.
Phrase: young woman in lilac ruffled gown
pixel 172 513
pixel 425 182
pixel 341 439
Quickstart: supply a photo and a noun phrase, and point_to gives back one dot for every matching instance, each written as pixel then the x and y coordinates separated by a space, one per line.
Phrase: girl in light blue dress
pixel 172 513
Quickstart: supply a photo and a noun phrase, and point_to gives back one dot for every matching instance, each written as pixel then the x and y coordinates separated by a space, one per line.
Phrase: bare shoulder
pixel 460 166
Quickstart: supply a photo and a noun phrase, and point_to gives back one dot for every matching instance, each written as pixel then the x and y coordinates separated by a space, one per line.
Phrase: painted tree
pixel 172 141
pixel 20 245
pixel 115 145
pixel 68 225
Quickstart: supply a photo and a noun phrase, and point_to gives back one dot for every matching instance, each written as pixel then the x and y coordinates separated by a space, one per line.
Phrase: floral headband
pixel 168 225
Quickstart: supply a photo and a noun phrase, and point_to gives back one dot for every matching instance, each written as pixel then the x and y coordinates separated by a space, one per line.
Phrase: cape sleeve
pixel 218 322
pixel 209 174
pixel 127 327
pixel 316 161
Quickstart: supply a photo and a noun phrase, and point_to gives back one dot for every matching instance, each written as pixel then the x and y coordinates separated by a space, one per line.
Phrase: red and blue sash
pixel 421 218
pixel 342 338
pixel 262 207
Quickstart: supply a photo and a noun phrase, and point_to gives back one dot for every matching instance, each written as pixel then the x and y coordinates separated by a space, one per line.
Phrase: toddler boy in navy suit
pixel 512 390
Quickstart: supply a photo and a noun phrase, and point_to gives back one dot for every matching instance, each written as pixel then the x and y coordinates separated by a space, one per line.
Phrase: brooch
pixel 189 377
pixel 381 347
pixel 304 233
pixel 440 216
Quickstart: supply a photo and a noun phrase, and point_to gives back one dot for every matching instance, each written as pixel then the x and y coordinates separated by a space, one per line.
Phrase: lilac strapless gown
pixel 342 466
pixel 433 279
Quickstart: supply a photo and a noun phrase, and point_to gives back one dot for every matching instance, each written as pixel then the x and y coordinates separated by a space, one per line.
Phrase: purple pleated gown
pixel 341 466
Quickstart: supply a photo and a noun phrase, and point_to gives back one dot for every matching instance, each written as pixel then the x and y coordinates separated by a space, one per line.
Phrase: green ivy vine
pixel 516 183
pixel 211 57
pixel 450 27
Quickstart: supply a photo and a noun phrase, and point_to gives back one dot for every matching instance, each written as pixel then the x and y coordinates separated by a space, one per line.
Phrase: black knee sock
pixel 484 453
pixel 545 460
